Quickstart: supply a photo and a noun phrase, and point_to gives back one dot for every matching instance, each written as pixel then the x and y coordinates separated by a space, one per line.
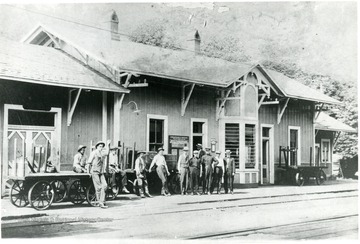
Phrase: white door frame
pixel 298 128
pixel 329 153
pixel 166 134
pixel 204 129
pixel 56 141
pixel 271 152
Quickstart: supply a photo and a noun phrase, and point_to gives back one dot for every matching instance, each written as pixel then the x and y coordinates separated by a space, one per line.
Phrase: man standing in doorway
pixel 183 168
pixel 206 161
pixel 229 172
pixel 194 166
pixel 162 170
pixel 141 175
pixel 96 160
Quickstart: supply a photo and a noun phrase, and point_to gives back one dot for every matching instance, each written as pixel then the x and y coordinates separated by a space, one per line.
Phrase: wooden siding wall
pixel 86 122
pixel 297 113
pixel 166 100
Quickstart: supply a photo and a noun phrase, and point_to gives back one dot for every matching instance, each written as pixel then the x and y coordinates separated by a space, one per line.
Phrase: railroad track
pixel 312 229
pixel 48 220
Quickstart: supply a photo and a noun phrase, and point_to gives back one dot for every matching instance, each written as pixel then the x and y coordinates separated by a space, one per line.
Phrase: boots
pixel 147 192
pixel 141 192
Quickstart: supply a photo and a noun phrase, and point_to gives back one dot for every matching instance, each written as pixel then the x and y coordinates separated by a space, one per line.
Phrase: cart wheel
pixel 174 184
pixel 91 196
pixel 299 178
pixel 18 195
pixel 320 177
pixel 77 192
pixel 110 194
pixel 41 195
pixel 60 190
pixel 136 187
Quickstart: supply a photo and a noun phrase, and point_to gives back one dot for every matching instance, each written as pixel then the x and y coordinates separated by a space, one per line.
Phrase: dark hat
pixel 98 143
pixel 160 149
pixel 218 152
pixel 138 152
pixel 81 147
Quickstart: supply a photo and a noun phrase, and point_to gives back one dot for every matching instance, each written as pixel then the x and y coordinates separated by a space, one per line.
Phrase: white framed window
pixel 325 151
pixel 156 132
pixel 294 143
pixel 198 132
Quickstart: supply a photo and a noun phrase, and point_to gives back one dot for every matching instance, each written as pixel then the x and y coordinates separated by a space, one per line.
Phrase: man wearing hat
pixel 183 168
pixel 141 174
pixel 117 174
pixel 201 180
pixel 194 166
pixel 218 172
pixel 229 172
pixel 206 162
pixel 80 160
pixel 97 162
pixel 162 170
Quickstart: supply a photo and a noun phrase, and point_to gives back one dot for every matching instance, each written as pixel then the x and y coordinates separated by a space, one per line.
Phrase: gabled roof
pixel 325 122
pixel 48 66
pixel 172 64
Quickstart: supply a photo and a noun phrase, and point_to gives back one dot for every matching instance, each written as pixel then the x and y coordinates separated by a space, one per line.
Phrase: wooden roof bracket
pixel 72 106
pixel 316 132
pixel 318 112
pixel 221 103
pixel 281 111
pixel 261 100
pixel 185 97
pixel 336 139
pixel 127 82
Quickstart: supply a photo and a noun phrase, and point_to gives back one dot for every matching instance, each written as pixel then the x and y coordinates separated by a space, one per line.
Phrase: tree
pixel 153 33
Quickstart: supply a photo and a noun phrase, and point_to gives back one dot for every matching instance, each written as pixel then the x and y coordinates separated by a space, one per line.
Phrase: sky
pixel 323 34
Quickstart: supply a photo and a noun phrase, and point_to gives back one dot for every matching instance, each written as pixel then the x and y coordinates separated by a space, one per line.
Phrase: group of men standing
pixel 202 167
pixel 207 169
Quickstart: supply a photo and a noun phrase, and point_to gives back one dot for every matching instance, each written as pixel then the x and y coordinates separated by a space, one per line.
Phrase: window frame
pixel 166 134
pixel 298 129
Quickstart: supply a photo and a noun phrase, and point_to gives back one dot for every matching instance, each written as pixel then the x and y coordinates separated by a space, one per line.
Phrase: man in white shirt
pixel 183 168
pixel 218 172
pixel 162 170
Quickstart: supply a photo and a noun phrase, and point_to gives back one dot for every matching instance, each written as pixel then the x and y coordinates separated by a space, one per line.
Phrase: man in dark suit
pixel 229 172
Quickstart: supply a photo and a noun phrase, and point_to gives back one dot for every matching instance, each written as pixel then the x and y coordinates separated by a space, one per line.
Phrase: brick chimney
pixel 112 24
pixel 197 41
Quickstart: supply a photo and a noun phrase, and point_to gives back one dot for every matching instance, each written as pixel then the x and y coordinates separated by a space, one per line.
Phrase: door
pixel 267 155
pixel 325 152
pixel 32 136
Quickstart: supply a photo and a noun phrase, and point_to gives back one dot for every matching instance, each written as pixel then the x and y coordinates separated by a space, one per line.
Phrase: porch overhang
pixel 327 123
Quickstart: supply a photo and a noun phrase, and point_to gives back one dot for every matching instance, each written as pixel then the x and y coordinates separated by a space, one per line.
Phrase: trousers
pixel 184 179
pixel 161 171
pixel 194 176
pixel 229 181
pixel 100 186
pixel 208 178
pixel 119 177
pixel 218 174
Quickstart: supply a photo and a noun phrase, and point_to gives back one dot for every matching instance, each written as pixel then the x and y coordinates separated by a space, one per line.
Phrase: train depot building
pixel 66 85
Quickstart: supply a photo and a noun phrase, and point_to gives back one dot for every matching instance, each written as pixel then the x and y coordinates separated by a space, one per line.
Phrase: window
pixel 250 144
pixel 156 134
pixel 32 118
pixel 294 144
pixel 197 134
pixel 232 141
pixel 250 102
